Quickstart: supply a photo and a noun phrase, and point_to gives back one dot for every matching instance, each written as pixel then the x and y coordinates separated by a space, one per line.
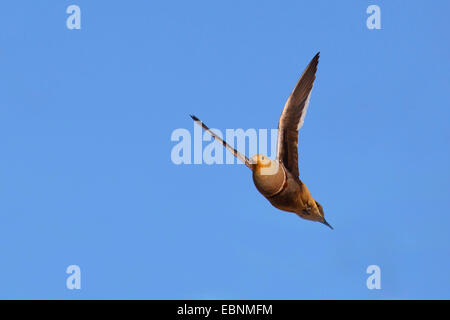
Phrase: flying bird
pixel 278 180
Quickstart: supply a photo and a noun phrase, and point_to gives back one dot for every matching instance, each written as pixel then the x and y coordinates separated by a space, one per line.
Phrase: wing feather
pixel 293 117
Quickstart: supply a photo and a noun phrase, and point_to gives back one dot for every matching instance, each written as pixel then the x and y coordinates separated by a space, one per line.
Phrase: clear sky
pixel 86 176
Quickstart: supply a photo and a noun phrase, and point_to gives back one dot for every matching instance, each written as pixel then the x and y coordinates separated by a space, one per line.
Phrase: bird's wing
pixel 236 153
pixel 292 117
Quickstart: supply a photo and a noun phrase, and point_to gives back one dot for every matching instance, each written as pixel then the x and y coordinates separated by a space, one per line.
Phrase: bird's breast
pixel 270 181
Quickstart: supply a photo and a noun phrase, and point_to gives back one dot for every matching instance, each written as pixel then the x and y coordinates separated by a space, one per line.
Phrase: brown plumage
pixel 278 180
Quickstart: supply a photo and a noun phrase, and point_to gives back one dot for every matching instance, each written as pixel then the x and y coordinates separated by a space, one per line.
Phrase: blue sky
pixel 86 176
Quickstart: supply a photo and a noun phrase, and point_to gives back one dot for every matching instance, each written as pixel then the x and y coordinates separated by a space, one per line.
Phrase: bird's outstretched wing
pixel 236 153
pixel 292 117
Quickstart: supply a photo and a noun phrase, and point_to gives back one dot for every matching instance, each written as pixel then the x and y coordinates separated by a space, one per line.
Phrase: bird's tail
pixel 236 153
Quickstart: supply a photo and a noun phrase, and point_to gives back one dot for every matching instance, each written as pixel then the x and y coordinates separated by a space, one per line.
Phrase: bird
pixel 278 180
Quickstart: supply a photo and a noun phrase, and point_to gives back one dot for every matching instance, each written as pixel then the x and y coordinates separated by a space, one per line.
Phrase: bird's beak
pixel 327 224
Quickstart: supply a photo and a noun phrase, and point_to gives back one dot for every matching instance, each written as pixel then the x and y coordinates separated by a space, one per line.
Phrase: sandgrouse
pixel 278 180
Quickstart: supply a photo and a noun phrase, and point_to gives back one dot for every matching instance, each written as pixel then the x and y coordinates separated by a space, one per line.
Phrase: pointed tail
pixel 236 153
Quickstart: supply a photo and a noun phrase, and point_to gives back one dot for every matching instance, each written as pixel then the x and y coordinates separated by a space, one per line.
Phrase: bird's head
pixel 322 214
pixel 314 211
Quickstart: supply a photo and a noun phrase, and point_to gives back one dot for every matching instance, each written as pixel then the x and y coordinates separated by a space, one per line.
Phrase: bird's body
pixel 283 190
pixel 278 180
